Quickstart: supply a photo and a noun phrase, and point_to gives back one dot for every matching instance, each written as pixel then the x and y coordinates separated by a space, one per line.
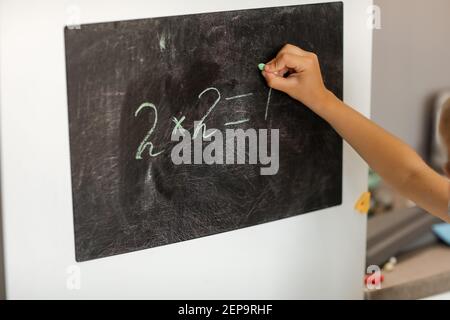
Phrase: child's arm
pixel 398 164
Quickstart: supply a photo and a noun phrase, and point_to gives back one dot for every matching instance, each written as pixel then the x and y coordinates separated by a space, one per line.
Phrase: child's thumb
pixel 276 82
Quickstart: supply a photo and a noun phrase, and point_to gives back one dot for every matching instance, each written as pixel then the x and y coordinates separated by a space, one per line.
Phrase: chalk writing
pixel 199 126
pixel 239 97
pixel 268 103
pixel 146 141
pixel 178 126
pixel 236 122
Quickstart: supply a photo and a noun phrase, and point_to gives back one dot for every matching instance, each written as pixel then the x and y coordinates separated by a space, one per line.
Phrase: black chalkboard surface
pixel 127 193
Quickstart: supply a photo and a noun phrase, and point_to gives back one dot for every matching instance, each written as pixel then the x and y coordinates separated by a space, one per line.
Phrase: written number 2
pixel 146 142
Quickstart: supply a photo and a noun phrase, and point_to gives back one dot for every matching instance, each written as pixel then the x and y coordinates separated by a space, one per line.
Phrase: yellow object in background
pixel 363 204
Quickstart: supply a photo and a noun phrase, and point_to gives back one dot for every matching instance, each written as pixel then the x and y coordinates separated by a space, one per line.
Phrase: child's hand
pixel 297 73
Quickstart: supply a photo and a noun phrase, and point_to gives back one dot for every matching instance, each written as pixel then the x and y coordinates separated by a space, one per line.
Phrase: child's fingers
pixel 281 73
pixel 286 61
pixel 277 82
pixel 289 48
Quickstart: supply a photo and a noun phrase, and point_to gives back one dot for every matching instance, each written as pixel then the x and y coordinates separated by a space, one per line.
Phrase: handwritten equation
pixel 200 126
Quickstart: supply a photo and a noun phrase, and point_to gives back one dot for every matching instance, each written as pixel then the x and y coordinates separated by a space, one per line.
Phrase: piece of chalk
pixel 261 66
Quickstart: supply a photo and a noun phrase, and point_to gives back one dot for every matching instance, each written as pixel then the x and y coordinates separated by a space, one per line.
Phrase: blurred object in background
pixel 407 98
pixel 398 232
pixel 397 226
pixel 384 198
pixel 438 149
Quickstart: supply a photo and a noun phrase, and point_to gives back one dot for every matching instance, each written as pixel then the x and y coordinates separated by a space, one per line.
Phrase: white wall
pixel 319 255
pixel 2 262
pixel 411 63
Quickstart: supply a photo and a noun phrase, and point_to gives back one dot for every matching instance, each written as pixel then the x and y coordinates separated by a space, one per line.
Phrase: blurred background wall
pixel 411 73
pixel 411 63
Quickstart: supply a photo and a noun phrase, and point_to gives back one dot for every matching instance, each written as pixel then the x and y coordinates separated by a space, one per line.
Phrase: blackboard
pixel 123 202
